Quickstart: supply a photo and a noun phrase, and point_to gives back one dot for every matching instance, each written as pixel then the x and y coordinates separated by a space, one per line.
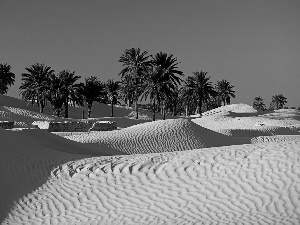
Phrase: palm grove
pixel 155 78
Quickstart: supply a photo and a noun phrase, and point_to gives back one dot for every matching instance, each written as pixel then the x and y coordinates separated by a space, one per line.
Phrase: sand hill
pixel 232 166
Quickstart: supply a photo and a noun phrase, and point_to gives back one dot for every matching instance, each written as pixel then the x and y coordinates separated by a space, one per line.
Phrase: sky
pixel 253 44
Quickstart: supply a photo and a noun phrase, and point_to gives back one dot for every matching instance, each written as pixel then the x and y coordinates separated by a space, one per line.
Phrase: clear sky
pixel 254 44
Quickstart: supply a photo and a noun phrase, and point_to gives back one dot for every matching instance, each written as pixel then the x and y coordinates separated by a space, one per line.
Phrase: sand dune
pixel 235 108
pixel 276 138
pixel 28 156
pixel 22 117
pixel 191 171
pixel 254 184
pixel 263 131
pixel 158 136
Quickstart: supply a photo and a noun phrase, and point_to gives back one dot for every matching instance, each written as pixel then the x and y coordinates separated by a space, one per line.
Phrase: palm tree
pixel 225 91
pixel 198 88
pixel 213 102
pixel 70 90
pixel 157 86
pixel 54 93
pixel 167 66
pixel 278 101
pixel 135 62
pixel 93 90
pixel 174 100
pixel 34 84
pixel 7 78
pixel 186 98
pixel 111 88
pixel 258 103
pixel 127 91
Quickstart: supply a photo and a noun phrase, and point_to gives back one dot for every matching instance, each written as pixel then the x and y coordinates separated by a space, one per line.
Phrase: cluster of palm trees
pixel 143 77
pixel 278 102
pixel 158 78
pixel 40 85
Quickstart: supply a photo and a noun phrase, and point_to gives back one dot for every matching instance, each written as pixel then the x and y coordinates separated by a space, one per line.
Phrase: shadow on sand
pixel 29 156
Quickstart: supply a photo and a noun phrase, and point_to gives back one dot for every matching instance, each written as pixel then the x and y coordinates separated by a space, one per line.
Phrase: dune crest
pixel 159 136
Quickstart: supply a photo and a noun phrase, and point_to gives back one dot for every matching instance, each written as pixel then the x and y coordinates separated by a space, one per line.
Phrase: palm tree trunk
pixel 174 108
pixel 112 109
pixel 136 98
pixel 41 105
pixel 197 109
pixel 164 111
pixel 153 109
pixel 129 102
pixel 136 109
pixel 41 109
pixel 66 105
pixel 187 110
pixel 200 106
pixel 89 110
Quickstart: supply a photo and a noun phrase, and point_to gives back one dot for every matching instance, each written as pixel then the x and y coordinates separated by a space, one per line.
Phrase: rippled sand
pixel 232 166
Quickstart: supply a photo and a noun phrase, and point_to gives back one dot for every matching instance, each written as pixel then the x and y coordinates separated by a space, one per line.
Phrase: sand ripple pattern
pixel 252 184
pixel 159 136
pixel 277 138
pixel 224 110
pixel 27 113
pixel 262 131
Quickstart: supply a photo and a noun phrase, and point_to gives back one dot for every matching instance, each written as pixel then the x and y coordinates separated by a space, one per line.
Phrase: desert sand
pixel 234 165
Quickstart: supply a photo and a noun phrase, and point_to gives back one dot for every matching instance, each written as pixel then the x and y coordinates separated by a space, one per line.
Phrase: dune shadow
pixel 29 156
pixel 249 114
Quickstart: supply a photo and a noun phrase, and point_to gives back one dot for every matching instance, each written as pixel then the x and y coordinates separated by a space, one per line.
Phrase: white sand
pixel 47 179
pixel 159 136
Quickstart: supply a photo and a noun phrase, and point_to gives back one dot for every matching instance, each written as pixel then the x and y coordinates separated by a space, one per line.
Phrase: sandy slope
pixel 252 184
pixel 159 136
pixel 47 179
pixel 27 158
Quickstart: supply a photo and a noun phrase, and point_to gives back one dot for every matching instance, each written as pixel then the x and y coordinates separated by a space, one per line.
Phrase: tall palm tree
pixel 34 84
pixel 93 90
pixel 70 90
pixel 55 94
pixel 156 86
pixel 112 88
pixel 186 98
pixel 135 62
pixel 174 100
pixel 7 78
pixel 225 91
pixel 198 88
pixel 278 101
pixel 258 103
pixel 167 66
pixel 127 90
